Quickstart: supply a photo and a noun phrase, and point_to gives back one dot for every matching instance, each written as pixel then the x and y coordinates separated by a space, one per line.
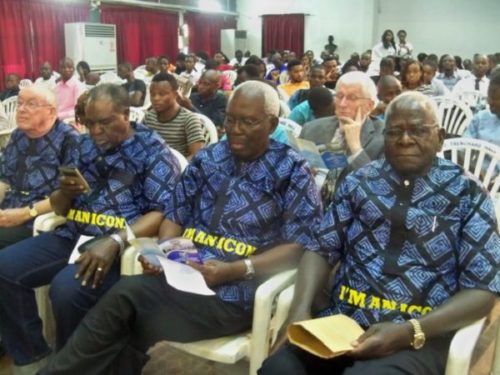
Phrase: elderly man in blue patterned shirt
pixel 419 249
pixel 131 174
pixel 249 204
pixel 29 164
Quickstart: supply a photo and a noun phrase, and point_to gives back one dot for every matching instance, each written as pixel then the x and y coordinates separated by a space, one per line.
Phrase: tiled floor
pixel 170 361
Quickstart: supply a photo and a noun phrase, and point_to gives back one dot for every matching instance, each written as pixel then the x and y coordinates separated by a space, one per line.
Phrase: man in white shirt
pixel 191 72
pixel 477 82
pixel 48 76
pixel 238 59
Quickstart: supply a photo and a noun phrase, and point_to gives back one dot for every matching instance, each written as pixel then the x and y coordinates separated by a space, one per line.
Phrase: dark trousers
pixel 430 360
pixel 35 262
pixel 9 236
pixel 135 314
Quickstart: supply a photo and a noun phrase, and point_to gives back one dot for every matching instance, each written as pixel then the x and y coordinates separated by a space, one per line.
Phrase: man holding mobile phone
pixel 131 173
pixel 249 204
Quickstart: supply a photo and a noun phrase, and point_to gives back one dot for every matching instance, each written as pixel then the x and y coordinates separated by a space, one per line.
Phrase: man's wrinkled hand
pixel 352 131
pixel 96 261
pixel 382 339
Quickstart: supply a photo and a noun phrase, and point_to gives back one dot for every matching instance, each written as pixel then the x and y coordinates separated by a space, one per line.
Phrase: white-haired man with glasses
pixel 29 166
pixel 418 246
pixel 351 134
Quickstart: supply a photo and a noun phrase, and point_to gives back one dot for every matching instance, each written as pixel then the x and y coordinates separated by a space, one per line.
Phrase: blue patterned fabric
pixel 30 166
pixel 127 182
pixel 408 246
pixel 233 209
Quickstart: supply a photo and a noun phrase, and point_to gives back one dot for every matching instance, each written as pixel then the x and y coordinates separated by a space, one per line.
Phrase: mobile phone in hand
pixel 74 174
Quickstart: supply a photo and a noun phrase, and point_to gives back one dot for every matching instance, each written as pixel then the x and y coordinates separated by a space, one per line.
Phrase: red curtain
pixel 142 33
pixel 204 31
pixel 32 31
pixel 283 32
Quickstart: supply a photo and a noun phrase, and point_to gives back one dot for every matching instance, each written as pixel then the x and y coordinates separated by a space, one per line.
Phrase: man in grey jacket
pixel 352 137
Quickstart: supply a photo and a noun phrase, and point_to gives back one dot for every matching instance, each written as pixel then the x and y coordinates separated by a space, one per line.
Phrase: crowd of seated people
pixel 373 115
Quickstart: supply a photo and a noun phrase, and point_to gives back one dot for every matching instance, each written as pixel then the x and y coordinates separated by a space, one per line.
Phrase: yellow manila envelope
pixel 325 337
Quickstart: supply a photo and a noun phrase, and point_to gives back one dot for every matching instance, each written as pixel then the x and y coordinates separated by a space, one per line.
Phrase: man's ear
pixel 274 121
pixel 126 113
pixel 441 137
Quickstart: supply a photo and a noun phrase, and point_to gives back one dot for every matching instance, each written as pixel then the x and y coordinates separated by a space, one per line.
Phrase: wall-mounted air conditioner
pixel 94 43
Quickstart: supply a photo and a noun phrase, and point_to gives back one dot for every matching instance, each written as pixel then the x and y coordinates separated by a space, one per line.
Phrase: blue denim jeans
pixel 32 263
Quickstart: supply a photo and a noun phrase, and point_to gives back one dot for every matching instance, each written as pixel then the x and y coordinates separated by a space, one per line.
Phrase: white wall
pixel 461 27
pixel 349 21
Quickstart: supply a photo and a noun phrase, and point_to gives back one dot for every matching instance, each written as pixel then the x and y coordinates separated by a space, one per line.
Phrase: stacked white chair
pixel 10 108
pixel 209 129
pixel 454 115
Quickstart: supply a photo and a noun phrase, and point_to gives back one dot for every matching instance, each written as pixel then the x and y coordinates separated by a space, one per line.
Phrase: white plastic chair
pixel 10 108
pixel 136 114
pixel 25 83
pixel 478 157
pixel 254 345
pixel 291 126
pixel 454 115
pixel 474 99
pixel 209 129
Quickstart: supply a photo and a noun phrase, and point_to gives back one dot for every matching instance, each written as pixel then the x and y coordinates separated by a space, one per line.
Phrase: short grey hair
pixel 413 100
pixel 359 78
pixel 115 93
pixel 264 90
pixel 42 92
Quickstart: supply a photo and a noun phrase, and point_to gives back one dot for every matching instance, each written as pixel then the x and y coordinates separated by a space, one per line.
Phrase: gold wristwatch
pixel 418 335
pixel 33 211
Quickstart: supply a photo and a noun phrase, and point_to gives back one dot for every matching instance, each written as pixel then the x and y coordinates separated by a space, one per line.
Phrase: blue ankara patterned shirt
pixel 406 246
pixel 127 182
pixel 30 166
pixel 248 206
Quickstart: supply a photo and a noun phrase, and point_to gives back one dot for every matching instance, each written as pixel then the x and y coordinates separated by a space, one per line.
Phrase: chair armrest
pixel 461 348
pixel 264 302
pixel 282 308
pixel 129 265
pixel 47 222
pixel 495 370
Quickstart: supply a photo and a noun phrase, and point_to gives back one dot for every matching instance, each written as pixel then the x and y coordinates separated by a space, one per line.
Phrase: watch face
pixel 418 341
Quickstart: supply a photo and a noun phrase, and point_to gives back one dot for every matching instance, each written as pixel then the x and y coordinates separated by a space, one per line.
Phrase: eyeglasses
pixel 349 98
pixel 30 105
pixel 245 122
pixel 417 131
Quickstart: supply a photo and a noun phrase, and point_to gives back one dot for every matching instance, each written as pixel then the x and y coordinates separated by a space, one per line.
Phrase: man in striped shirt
pixel 179 127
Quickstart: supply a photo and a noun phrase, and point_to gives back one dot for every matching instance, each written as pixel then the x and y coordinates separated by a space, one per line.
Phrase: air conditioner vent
pixel 99 30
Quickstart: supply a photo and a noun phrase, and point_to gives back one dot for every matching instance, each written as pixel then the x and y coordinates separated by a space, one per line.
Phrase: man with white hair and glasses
pixel 351 134
pixel 29 166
